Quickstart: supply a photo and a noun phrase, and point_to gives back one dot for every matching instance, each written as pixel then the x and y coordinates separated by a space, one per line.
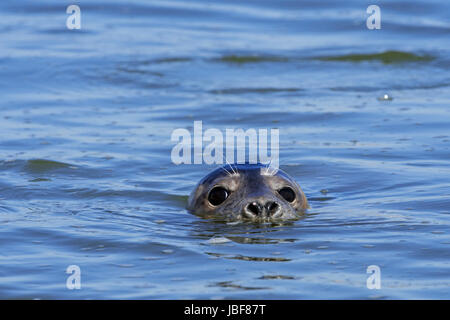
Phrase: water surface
pixel 86 176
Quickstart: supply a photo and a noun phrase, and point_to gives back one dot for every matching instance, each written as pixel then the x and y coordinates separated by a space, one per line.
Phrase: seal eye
pixel 217 195
pixel 287 193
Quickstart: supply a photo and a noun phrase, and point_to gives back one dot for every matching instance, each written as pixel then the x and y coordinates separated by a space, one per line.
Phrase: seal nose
pixel 272 207
pixel 254 208
pixel 258 209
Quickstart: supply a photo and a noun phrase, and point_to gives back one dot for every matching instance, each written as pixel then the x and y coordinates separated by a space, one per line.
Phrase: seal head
pixel 253 192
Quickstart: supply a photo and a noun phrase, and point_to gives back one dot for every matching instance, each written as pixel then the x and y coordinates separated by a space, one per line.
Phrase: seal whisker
pixel 274 171
pixel 265 171
pixel 231 167
pixel 228 172
pixel 268 167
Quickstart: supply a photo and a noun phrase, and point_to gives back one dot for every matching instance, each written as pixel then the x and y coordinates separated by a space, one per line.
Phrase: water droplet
pixel 385 97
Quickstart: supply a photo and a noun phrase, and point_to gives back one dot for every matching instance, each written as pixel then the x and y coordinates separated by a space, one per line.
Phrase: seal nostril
pixel 272 207
pixel 254 208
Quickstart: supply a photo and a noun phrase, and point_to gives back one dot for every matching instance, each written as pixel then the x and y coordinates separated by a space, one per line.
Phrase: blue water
pixel 86 176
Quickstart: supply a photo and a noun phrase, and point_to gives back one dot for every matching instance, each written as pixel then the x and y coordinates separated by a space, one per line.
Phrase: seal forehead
pixel 217 175
pixel 208 179
pixel 253 178
pixel 252 175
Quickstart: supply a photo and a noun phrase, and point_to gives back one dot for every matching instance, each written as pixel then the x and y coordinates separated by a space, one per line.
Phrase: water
pixel 87 179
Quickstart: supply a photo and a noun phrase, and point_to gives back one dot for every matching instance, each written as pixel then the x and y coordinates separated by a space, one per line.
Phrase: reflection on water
pixel 229 284
pixel 386 57
pixel 86 177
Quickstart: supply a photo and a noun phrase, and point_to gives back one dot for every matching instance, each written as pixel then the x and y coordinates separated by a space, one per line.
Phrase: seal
pixel 254 192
